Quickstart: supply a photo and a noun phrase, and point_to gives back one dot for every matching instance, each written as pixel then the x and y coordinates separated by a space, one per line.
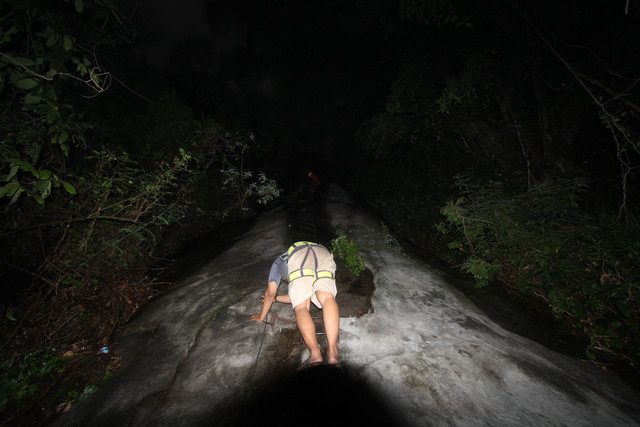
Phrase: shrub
pixel 347 250
pixel 20 378
pixel 544 244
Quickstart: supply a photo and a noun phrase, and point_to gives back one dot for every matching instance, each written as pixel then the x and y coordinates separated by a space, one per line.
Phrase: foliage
pixel 347 250
pixel 80 250
pixel 240 182
pixel 220 168
pixel 89 252
pixel 542 243
pixel 19 378
pixel 415 145
pixel 150 130
pixel 127 175
pixel 114 222
pixel 527 115
pixel 40 376
pixel 434 12
pixel 42 58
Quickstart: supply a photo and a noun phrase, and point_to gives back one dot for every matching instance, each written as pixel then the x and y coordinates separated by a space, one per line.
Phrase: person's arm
pixel 269 298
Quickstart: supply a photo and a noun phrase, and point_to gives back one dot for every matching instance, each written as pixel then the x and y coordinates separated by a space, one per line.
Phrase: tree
pixel 47 57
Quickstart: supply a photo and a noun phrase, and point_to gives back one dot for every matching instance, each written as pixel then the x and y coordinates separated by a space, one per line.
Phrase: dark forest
pixel 500 137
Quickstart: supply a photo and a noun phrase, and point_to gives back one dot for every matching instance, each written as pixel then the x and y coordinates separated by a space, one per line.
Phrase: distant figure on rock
pixel 310 270
pixel 315 182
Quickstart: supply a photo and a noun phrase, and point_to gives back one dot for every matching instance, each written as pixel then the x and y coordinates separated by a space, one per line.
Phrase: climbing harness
pixel 307 272
pixel 304 272
pixel 297 245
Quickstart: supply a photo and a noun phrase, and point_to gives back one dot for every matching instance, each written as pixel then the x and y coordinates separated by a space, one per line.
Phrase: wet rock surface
pixel 414 351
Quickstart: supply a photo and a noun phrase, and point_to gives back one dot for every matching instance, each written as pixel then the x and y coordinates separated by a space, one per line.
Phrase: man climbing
pixel 310 270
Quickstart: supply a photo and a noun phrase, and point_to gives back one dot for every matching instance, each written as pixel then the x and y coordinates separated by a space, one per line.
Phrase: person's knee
pixel 324 297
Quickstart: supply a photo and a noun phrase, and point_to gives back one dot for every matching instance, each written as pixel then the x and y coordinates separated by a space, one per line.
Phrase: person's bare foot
pixel 332 357
pixel 315 355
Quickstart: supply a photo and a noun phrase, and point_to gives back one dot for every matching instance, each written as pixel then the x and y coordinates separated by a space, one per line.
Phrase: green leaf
pixel 44 174
pixel 15 197
pixel 67 43
pixel 37 148
pixel 32 99
pixel 9 189
pixel 79 6
pixel 25 166
pixel 26 62
pixel 455 245
pixel 52 40
pixel 44 187
pixel 70 188
pixel 27 84
pixel 14 170
pixel 6 37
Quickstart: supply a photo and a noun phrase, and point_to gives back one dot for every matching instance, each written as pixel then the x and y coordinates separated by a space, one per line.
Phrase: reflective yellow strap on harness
pixel 310 272
pixel 296 245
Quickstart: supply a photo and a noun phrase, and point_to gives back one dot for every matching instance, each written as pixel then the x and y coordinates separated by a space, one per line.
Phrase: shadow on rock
pixel 322 395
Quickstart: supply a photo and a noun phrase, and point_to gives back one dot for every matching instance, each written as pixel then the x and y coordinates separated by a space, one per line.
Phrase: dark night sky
pixel 287 70
pixel 167 23
pixel 310 72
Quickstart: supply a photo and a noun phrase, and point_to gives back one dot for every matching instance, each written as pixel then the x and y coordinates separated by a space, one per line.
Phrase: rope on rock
pixel 255 364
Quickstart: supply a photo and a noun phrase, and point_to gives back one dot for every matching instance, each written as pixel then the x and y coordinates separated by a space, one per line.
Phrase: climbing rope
pixel 255 364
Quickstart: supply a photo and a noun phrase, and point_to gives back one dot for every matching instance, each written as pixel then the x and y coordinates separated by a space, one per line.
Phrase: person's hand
pixel 256 318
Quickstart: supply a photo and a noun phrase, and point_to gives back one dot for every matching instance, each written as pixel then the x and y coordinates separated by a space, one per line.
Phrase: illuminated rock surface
pixel 415 352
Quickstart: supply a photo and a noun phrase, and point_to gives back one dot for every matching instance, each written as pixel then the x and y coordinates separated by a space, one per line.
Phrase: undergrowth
pixel 544 243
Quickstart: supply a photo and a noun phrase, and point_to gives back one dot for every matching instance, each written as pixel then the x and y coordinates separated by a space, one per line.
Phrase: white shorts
pixel 305 287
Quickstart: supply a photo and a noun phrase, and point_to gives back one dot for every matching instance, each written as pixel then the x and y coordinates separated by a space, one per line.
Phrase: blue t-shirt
pixel 279 269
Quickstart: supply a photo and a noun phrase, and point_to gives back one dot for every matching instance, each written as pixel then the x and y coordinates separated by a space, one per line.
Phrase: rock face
pixel 414 351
